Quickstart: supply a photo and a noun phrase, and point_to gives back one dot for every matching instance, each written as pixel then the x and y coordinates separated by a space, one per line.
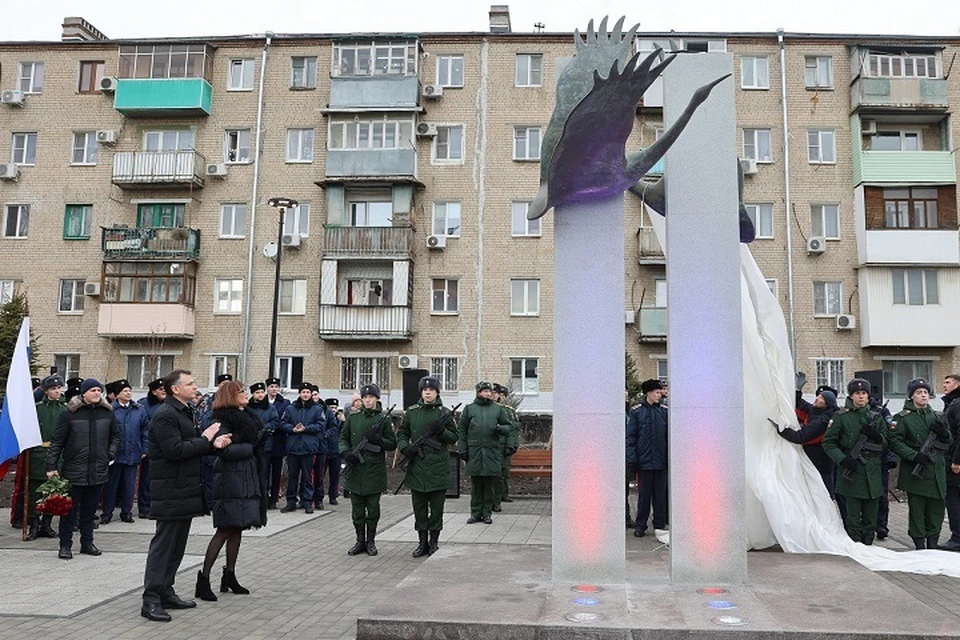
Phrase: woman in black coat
pixel 239 501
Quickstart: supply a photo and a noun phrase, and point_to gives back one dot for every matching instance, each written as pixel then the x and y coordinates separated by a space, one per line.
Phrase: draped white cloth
pixel 786 500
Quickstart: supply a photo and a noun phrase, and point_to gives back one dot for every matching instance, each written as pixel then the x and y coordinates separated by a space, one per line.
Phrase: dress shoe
pixel 950 545
pixel 176 602
pixel 126 518
pixel 333 501
pixel 473 520
pixel 290 508
pixel 105 519
pixel 488 520
pixel 639 533
pixel 506 499
pixel 308 509
pixel 90 549
pixel 65 553
pixel 497 508
pixel 154 612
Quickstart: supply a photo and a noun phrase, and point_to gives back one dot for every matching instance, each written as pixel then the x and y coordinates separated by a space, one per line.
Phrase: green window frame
pixel 161 215
pixel 76 221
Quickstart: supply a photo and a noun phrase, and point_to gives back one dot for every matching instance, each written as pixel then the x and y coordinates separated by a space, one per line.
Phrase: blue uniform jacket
pixel 278 446
pixel 333 433
pixel 133 422
pixel 268 416
pixel 310 415
pixel 647 437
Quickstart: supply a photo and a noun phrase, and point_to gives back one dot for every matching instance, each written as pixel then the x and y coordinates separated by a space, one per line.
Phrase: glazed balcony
pixel 368 242
pixel 175 243
pixel 347 163
pixel 899 93
pixel 158 169
pixel 163 97
pixel 355 322
pixel 123 320
pixel 370 92
pixel 653 324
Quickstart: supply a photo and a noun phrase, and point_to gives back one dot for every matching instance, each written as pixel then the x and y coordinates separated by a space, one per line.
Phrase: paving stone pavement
pixel 303 584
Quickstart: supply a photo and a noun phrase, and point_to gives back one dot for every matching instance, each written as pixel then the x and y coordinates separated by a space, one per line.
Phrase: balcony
pixel 368 242
pixel 374 92
pixel 650 250
pixel 898 93
pixel 379 163
pixel 653 324
pixel 165 98
pixel 898 167
pixel 911 246
pixel 885 324
pixel 353 322
pixel 165 169
pixel 175 243
pixel 145 321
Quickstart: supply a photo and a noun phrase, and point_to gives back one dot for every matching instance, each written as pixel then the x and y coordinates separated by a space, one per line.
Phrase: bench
pixel 532 463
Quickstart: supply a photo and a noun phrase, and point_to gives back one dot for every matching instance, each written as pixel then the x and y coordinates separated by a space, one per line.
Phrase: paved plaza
pixel 303 584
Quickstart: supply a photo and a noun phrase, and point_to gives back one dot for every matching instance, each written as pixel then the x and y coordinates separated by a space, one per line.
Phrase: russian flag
pixel 19 427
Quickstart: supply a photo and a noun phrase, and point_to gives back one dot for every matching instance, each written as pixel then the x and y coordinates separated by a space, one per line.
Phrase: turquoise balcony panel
pixel 187 97
pixel 914 167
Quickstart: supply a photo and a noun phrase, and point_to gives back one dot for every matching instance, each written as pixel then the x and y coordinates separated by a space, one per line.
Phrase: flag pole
pixel 26 493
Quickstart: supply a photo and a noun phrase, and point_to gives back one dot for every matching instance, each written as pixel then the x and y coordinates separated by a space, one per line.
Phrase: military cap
pixel 918 383
pixel 429 382
pixel 223 377
pixel 370 390
pixel 51 382
pixel 858 384
pixel 332 402
pixel 650 385
pixel 120 385
pixel 258 386
pixel 153 385
pixel 72 391
pixel 35 382
pixel 305 386
pixel 483 384
pixel 270 381
pixel 74 382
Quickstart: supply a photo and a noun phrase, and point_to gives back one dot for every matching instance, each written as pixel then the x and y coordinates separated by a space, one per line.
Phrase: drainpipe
pixel 480 182
pixel 253 212
pixel 789 203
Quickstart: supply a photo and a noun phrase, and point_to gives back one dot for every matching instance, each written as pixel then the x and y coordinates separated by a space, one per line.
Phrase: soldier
pixel 277 444
pixel 48 410
pixel 323 448
pixel 926 490
pixel 271 421
pixel 428 471
pixel 304 423
pixel 150 403
pixel 859 480
pixel 646 449
pixel 122 477
pixel 332 461
pixel 481 425
pixel 509 442
pixel 367 478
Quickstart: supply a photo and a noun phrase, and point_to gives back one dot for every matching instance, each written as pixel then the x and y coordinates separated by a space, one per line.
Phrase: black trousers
pixel 883 512
pixel 143 492
pixel 85 503
pixel 953 512
pixel 163 559
pixel 653 488
pixel 274 473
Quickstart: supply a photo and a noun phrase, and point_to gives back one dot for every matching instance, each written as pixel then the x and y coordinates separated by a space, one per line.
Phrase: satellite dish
pixel 270 250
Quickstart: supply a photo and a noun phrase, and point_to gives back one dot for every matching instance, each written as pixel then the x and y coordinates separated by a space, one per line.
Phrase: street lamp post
pixel 282 204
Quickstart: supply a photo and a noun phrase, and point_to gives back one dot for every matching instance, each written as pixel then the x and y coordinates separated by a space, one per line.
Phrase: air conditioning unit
pixel 291 240
pixel 91 289
pixel 427 130
pixel 107 136
pixel 845 321
pixel 9 172
pixel 629 317
pixel 407 361
pixel 432 91
pixel 217 170
pixel 108 84
pixel 868 127
pixel 748 166
pixel 816 244
pixel 12 96
pixel 436 242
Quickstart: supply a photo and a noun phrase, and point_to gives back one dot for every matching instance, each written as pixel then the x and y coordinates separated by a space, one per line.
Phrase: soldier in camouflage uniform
pixel 48 410
pixel 926 495
pixel 482 423
pixel 509 442
pixel 863 487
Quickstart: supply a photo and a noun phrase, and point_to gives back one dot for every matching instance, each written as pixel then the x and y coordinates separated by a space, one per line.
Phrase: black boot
pixel 203 590
pixel 371 534
pixel 361 544
pixel 46 529
pixel 920 543
pixel 423 548
pixel 33 528
pixel 932 542
pixel 433 546
pixel 229 581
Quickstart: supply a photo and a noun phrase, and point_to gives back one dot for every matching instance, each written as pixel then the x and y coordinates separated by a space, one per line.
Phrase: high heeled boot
pixel 229 581
pixel 203 590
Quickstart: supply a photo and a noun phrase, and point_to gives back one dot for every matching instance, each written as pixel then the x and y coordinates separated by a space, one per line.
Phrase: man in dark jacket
pixel 132 421
pixel 810 435
pixel 154 398
pixel 304 423
pixel 647 450
pixel 271 422
pixel 331 461
pixel 177 496
pixel 276 447
pixel 951 414
pixel 83 444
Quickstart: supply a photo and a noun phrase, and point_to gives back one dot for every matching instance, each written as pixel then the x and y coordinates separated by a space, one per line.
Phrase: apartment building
pixel 136 215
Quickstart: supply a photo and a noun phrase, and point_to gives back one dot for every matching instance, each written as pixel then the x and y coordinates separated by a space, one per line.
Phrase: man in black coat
pixel 176 454
pixel 951 414
pixel 810 435
pixel 647 452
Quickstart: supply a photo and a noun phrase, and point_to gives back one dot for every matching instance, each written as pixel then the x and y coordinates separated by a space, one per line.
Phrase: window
pixel 818 74
pixel 297 220
pixel 371 214
pixel 290 371
pixel 233 220
pixel 897 373
pixel 76 221
pixel 445 296
pixel 356 372
pixel 762 217
pixel 662 370
pixel 450 71
pixel 241 75
pixel 371 132
pixel 165 61
pixel 914 208
pixel 303 72
pixel 142 369
pixel 529 69
pixel 299 145
pixel 754 72
pixel 445 370
pixel 820 146
pixel 827 298
pixel 67 364
pixel 884 65
pixel 526 143
pixel 84 148
pixel 16 220
pixel 448 145
pixel 367 292
pixel 772 285
pixel 8 290
pixel 756 145
pixel 161 215
pixel 91 73
pixel 520 225
pixel 149 282
pixel 236 146
pixel 825 221
pixel 375 58
pixel 293 296
pixel 168 140
pixel 446 219
pixel 896 140
pixel 23 149
pixel 222 364
pixel 831 373
pixel 71 296
pixel 915 286
pixel 229 295
pixel 523 376
pixel 31 77
pixel 524 297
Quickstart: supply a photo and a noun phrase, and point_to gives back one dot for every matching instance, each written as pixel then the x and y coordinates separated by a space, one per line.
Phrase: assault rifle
pixel 863 444
pixel 428 439
pixel 365 445
pixel 932 445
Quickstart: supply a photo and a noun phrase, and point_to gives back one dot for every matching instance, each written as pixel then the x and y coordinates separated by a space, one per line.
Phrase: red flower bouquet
pixel 56 500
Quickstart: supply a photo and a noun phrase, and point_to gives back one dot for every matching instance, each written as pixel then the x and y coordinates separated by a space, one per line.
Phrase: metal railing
pixel 158 167
pixel 151 242
pixel 355 321
pixel 374 242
